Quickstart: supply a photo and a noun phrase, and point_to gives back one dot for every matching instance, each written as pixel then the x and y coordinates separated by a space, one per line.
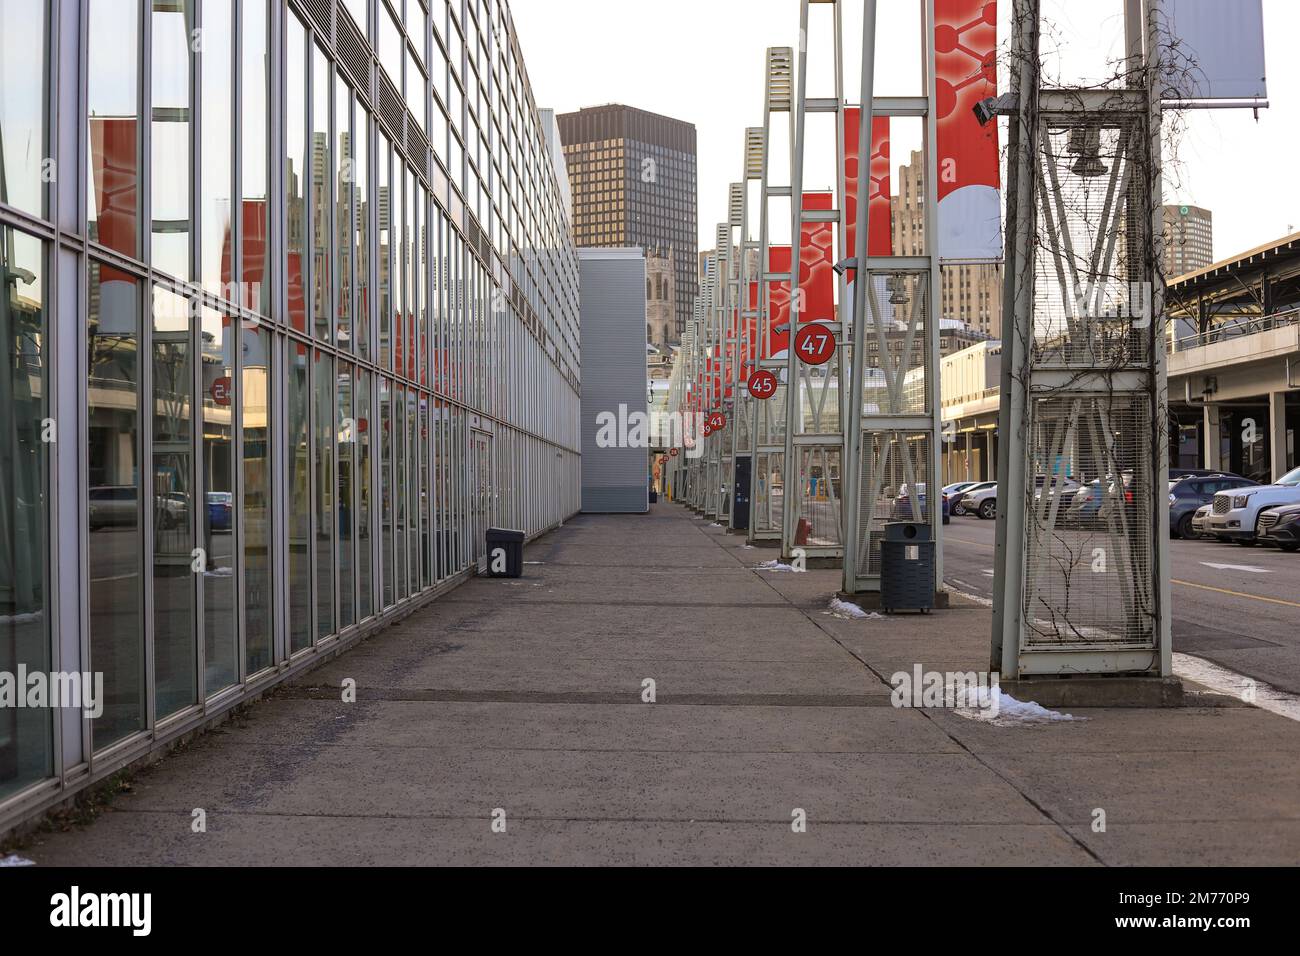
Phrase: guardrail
pixel 1234 329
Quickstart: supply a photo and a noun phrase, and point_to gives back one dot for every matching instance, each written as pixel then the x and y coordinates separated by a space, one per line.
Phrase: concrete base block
pixel 1117 691
pixel 870 600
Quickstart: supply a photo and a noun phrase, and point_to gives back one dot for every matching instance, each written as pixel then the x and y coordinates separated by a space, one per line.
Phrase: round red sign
pixel 762 384
pixel 672 452
pixel 220 390
pixel 717 420
pixel 814 344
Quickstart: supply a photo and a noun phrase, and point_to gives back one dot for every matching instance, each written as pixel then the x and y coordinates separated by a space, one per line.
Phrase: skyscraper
pixel 633 179
pixel 1189 239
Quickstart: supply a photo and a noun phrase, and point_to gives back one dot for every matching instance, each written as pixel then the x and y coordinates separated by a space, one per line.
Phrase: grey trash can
pixel 505 553
pixel 907 567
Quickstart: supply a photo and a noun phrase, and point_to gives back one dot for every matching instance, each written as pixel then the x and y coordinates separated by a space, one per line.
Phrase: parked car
pixel 1187 495
pixel 1201 521
pixel 115 506
pixel 220 507
pixel 1064 485
pixel 982 502
pixel 1235 515
pixel 1177 473
pixel 958 499
pixel 1281 526
pixel 903 503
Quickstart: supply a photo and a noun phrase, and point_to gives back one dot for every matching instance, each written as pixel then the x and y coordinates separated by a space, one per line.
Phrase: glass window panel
pixel 295 172
pixel 298 447
pixel 401 491
pixel 385 252
pixel 359 14
pixel 325 492
pixel 217 516
pixel 26 754
pixel 416 25
pixel 347 431
pixel 343 214
pixel 172 477
pixel 320 193
pixel 390 45
pixel 23 40
pixel 170 131
pixel 254 122
pixel 363 496
pixel 361 212
pixel 416 85
pixel 113 125
pixel 216 176
pixel 255 518
pixel 113 475
pixel 386 487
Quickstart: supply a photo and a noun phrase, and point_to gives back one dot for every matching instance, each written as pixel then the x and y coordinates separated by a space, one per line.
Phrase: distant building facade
pixel 1189 239
pixel 972 293
pixel 633 179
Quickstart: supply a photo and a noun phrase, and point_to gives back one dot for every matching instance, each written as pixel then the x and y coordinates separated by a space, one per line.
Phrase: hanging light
pixel 1085 143
pixel 897 290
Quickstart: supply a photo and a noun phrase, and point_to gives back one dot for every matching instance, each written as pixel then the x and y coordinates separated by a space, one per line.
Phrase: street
pixel 1237 607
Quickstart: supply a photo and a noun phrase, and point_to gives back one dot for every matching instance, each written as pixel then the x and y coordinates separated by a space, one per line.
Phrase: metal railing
pixel 1235 328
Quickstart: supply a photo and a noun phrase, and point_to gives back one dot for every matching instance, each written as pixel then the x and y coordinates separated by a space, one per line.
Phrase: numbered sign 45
pixel 762 384
pixel 814 343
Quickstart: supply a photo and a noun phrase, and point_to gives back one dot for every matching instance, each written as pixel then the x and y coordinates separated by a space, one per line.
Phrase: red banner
pixel 880 228
pixel 965 45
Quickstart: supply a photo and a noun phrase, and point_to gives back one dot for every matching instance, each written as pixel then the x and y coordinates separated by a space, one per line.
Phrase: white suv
pixel 1235 514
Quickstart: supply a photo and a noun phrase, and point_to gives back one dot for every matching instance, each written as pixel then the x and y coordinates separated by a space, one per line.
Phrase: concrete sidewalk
pixel 526 696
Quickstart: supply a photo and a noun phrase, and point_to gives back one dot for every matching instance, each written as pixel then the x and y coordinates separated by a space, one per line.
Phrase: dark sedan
pixel 1280 526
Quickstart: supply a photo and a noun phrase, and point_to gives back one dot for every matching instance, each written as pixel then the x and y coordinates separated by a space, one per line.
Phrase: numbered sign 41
pixel 814 343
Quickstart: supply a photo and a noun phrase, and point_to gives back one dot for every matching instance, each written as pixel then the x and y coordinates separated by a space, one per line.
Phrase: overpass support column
pixel 1277 434
pixel 1210 442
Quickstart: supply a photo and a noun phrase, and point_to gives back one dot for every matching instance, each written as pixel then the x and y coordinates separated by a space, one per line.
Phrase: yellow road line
pixel 1253 597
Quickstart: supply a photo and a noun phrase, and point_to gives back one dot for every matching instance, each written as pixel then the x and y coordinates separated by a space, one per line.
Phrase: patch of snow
pixel 14 859
pixel 219 573
pixel 748 547
pixel 1009 711
pixel 775 565
pixel 715 525
pixel 851 612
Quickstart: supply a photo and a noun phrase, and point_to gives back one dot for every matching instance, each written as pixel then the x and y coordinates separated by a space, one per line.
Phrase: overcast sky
pixel 702 61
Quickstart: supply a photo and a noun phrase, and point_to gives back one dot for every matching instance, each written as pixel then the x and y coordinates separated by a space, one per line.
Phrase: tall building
pixel 661 298
pixel 303 345
pixel 633 178
pixel 969 293
pixel 1189 239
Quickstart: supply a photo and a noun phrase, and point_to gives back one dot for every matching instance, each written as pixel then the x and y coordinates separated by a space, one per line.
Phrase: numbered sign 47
pixel 762 384
pixel 814 343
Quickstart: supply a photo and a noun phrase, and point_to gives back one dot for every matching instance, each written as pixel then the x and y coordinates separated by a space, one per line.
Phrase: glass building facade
pixel 289 317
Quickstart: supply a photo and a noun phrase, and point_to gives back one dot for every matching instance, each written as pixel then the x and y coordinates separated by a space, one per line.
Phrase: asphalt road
pixel 1238 607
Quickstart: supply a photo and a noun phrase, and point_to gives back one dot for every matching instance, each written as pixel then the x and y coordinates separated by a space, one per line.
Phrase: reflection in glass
pixel 298 448
pixel 320 193
pixel 217 146
pixel 25 744
pixel 255 519
pixel 113 134
pixel 324 461
pixel 172 478
pixel 347 427
pixel 114 543
pixel 170 132
pixel 386 488
pixel 364 601
pixel 23 170
pixel 253 119
pixel 295 170
pixel 401 491
pixel 343 213
pixel 217 514
pixel 385 251
pixel 361 212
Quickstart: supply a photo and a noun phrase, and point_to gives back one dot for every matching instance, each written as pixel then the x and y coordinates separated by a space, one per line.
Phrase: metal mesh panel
pixel 1092 306
pixel 819 497
pixel 895 478
pixel 771 418
pixel 898 313
pixel 354 55
pixel 1088 554
pixel 766 513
